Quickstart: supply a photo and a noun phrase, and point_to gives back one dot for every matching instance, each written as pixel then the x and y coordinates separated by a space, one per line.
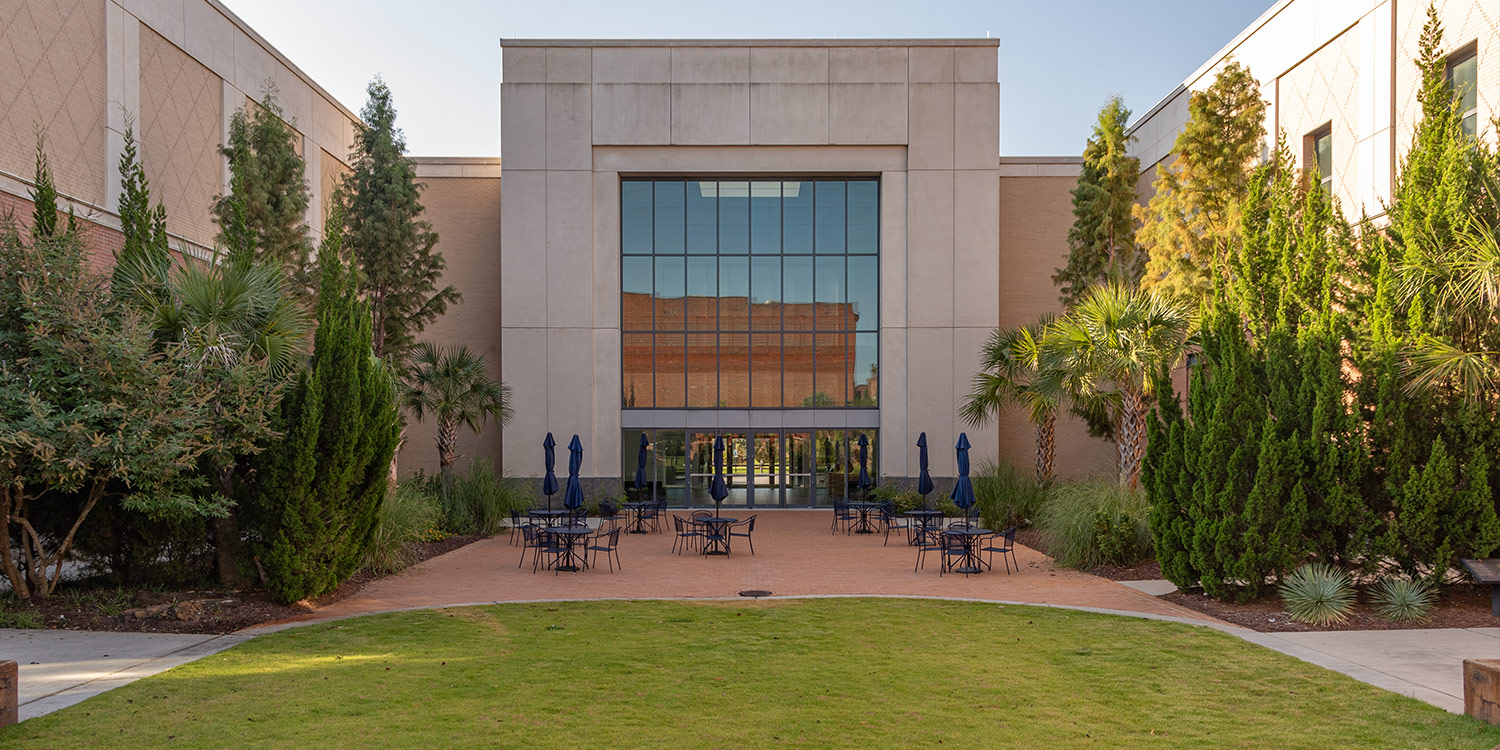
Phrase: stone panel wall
pixel 180 132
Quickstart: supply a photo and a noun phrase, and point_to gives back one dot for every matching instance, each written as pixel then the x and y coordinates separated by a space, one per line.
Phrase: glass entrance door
pixel 736 469
pixel 765 469
pixel 797 481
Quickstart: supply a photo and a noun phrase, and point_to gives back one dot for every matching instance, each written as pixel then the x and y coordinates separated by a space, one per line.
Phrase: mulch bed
pixel 1145 571
pixel 1460 605
pixel 207 611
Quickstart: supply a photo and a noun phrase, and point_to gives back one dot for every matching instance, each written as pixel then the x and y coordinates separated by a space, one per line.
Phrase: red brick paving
pixel 795 555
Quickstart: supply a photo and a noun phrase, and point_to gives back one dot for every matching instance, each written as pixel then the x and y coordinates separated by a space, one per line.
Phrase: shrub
pixel 906 500
pixel 1403 599
pixel 1318 593
pixel 408 515
pixel 1094 523
pixel 1007 497
pixel 479 501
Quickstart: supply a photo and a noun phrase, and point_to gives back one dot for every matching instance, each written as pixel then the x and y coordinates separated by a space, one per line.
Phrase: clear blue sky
pixel 1059 59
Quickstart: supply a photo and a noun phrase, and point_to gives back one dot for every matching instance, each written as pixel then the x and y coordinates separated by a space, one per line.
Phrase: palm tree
pixel 1107 351
pixel 1008 374
pixel 453 385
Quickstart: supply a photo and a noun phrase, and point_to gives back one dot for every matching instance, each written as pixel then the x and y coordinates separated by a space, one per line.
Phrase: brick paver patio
pixel 795 555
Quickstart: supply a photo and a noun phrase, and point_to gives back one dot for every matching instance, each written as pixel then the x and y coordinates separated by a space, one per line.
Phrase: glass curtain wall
pixel 750 293
pixel 762 468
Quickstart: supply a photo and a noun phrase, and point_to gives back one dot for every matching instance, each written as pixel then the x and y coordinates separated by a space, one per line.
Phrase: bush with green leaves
pixel 906 500
pixel 1097 522
pixel 408 515
pixel 479 501
pixel 1007 497
pixel 1403 599
pixel 1318 593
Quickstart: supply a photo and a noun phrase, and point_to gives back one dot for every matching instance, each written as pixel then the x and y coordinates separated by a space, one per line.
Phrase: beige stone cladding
pixel 576 116
pixel 180 130
pixel 1465 23
pixel 465 213
pixel 1323 91
pixel 1036 210
pixel 53 79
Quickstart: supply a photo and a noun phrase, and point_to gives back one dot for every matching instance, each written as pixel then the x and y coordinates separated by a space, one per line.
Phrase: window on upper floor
pixel 1318 154
pixel 1463 79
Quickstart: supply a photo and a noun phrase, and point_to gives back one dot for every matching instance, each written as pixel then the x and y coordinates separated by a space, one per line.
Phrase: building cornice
pixel 750 42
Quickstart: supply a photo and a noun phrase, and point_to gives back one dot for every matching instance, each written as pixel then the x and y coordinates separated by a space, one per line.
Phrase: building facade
pixel 789 244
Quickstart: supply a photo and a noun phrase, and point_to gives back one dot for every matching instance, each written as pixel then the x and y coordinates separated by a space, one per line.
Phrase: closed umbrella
pixel 716 488
pixel 640 467
pixel 924 479
pixel 864 460
pixel 963 490
pixel 549 481
pixel 573 495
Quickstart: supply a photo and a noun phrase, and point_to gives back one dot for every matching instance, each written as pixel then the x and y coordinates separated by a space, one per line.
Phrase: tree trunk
pixel 1046 449
pixel 229 548
pixel 10 501
pixel 447 445
pixel 1130 436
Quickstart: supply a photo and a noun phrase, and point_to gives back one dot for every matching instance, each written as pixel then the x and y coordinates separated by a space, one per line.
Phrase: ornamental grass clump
pixel 1404 599
pixel 1088 524
pixel 1318 593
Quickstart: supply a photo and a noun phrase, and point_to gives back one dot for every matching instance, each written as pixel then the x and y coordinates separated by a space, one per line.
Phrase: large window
pixel 1319 155
pixel 749 293
pixel 1463 79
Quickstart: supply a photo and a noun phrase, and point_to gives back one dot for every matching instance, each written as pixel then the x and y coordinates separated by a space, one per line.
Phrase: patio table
pixel 638 508
pixel 546 515
pixel 970 539
pixel 568 559
pixel 927 522
pixel 716 535
pixel 863 525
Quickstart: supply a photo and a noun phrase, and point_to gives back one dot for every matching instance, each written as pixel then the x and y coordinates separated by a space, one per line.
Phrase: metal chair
pixel 843 516
pixel 1006 546
pixel 686 534
pixel 607 542
pixel 890 520
pixel 953 549
pixel 749 528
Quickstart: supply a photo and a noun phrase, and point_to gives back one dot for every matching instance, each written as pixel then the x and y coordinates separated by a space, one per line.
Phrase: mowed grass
pixel 856 673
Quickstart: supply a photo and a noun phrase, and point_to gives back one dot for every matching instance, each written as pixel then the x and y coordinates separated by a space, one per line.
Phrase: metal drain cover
pixel 755 593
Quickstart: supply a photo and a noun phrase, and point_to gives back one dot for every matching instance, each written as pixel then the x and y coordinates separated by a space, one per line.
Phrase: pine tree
pixel 320 486
pixel 392 245
pixel 144 258
pixel 265 211
pixel 43 193
pixel 1101 242
pixel 1191 225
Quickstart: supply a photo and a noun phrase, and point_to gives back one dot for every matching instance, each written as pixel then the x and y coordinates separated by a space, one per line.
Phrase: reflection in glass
pixel 734 293
pixel 830 217
pixel 702 293
pixel 669 451
pixel 635 282
pixel 797 217
pixel 831 467
pixel 829 280
pixel 635 217
pixel 702 218
pixel 797 293
pixel 734 217
pixel 797 370
pixel 670 368
pixel 765 293
pixel 734 370
pixel 798 465
pixel 864 292
pixel 831 388
pixel 765 370
pixel 864 216
pixel 669 217
pixel 630 446
pixel 866 370
pixel 765 217
pixel 702 370
pixel 636 389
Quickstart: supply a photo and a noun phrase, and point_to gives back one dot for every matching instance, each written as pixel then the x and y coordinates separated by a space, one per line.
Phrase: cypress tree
pixel 265 210
pixel 1101 242
pixel 320 486
pixel 44 213
pixel 144 257
pixel 1191 225
pixel 392 245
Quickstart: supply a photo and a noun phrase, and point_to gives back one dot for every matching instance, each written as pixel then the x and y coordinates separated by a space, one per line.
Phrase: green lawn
pixel 859 673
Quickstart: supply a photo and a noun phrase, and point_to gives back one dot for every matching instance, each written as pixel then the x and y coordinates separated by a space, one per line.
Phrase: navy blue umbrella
pixel 864 460
pixel 716 488
pixel 924 479
pixel 549 481
pixel 640 466
pixel 963 490
pixel 573 496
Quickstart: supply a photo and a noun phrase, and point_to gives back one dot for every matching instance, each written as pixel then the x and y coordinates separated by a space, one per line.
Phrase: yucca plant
pixel 1318 593
pixel 1404 599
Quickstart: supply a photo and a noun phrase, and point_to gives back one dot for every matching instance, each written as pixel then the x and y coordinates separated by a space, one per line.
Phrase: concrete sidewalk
pixel 62 667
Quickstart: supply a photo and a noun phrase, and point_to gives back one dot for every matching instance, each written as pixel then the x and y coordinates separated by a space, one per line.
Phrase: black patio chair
pixel 1003 542
pixel 687 534
pixel 608 508
pixel 953 552
pixel 515 526
pixel 579 516
pixel 927 542
pixel 891 521
pixel 659 512
pixel 540 543
pixel 843 516
pixel 749 528
pixel 608 542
